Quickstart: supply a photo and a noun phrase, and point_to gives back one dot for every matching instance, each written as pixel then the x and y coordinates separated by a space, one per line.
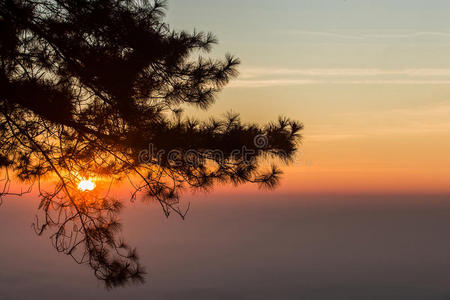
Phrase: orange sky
pixel 370 80
pixel 373 138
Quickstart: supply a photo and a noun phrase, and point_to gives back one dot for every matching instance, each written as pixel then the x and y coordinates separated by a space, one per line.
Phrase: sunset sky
pixel 363 212
pixel 370 80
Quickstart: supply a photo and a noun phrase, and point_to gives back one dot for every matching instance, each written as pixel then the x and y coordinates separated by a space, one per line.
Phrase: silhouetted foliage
pixel 86 87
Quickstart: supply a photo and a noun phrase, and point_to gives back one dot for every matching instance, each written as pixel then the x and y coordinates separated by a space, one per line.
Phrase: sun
pixel 86 185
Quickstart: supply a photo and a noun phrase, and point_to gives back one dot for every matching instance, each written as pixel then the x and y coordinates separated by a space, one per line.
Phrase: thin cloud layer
pixel 261 77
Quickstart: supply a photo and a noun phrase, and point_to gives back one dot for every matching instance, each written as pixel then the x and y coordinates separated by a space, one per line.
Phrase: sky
pixel 370 80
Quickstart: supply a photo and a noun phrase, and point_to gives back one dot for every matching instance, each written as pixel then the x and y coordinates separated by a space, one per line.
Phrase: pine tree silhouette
pixel 97 87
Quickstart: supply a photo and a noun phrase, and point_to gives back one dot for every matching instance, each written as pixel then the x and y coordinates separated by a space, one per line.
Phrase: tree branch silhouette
pixel 87 87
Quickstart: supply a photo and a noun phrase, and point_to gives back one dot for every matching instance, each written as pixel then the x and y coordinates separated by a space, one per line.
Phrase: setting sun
pixel 86 185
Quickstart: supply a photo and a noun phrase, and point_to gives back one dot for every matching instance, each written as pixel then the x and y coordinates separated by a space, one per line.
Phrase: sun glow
pixel 86 185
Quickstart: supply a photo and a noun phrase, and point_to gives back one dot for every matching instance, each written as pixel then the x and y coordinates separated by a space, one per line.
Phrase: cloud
pixel 271 82
pixel 253 77
pixel 407 128
pixel 294 82
pixel 372 35
pixel 433 111
pixel 332 137
pixel 253 72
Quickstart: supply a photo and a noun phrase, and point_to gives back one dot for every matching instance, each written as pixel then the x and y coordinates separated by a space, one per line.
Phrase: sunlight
pixel 86 185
